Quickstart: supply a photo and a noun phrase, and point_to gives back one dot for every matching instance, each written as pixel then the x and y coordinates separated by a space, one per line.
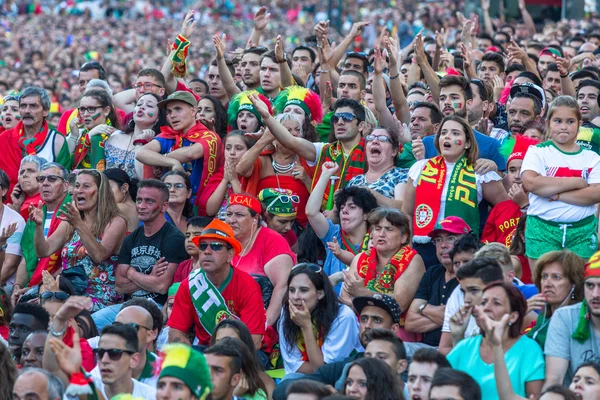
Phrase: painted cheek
pixel 150 114
pixel 17 117
pixel 457 105
pixel 96 116
pixel 458 142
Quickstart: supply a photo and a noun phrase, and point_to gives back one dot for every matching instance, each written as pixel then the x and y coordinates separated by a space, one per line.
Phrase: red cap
pixel 454 225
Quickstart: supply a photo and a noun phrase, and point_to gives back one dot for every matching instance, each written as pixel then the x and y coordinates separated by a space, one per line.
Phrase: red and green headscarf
pixel 241 102
pixel 302 97
pixel 591 270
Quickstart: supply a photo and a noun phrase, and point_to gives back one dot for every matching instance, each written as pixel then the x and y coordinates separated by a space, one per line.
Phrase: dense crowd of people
pixel 397 203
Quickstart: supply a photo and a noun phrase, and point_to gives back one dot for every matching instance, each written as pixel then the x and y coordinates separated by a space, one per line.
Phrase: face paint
pixel 457 105
pixel 458 142
pixel 17 117
pixel 95 116
pixel 150 114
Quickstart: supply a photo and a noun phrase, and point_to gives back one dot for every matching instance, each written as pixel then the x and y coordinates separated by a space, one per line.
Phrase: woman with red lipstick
pixel 90 235
pixel 99 120
pixel 447 185
pixel 121 146
pixel 558 276
pixel 314 328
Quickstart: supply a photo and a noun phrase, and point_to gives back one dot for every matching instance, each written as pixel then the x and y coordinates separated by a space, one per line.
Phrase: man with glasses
pixel 53 187
pixel 216 291
pixel 32 136
pixel 149 80
pixel 149 255
pixel 426 312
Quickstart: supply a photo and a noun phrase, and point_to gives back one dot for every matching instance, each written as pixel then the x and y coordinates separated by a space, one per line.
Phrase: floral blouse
pixel 101 286
pixel 386 184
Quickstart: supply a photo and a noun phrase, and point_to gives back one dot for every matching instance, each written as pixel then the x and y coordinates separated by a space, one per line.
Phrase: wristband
pixel 565 75
pixel 57 334
pixel 395 76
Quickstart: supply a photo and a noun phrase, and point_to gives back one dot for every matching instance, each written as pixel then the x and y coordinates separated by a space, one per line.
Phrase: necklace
pixel 283 168
pixel 242 254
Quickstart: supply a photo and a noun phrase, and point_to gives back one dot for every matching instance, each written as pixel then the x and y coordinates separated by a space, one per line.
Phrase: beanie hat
pixel 522 144
pixel 280 202
pixel 189 365
pixel 302 97
pixel 591 270
pixel 241 102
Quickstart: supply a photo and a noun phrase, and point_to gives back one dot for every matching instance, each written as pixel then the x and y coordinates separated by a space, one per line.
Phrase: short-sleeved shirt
pixel 560 343
pixel 386 184
pixel 455 302
pixel 524 362
pixel 9 216
pixel 501 223
pixel 244 300
pixel 194 167
pixel 142 253
pixel 435 291
pixel 343 338
pixel 489 148
pixel 267 245
pixel 140 390
pixel 547 160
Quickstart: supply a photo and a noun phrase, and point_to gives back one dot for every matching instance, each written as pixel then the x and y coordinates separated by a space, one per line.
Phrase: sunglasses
pixel 284 199
pixel 134 325
pixel 310 266
pixel 113 354
pixel 380 138
pixel 177 186
pixel 346 116
pixel 214 246
pixel 62 296
pixel 51 178
pixel 370 69
pixel 356 54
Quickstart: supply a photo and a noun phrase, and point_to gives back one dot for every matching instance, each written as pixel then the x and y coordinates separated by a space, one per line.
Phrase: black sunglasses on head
pixel 61 296
pixel 113 354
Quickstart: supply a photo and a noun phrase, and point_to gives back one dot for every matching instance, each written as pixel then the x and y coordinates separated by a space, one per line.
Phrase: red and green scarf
pixel 346 243
pixel 89 153
pixel 350 166
pixel 300 343
pixel 461 199
pixel 383 282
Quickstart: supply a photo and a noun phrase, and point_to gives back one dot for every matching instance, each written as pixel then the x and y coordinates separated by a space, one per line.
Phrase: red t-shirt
pixel 35 199
pixel 243 298
pixel 268 245
pixel 183 270
pixel 501 223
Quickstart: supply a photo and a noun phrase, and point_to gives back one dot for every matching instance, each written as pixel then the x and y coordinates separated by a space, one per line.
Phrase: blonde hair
pixel 499 253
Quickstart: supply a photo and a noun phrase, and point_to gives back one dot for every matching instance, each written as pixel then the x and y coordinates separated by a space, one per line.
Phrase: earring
pixel 509 323
pixel 573 296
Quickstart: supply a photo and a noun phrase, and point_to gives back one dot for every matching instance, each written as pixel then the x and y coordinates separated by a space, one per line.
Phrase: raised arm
pixel 527 17
pixel 187 28
pixel 340 50
pixel 430 75
pixel 261 20
pixel 228 83
pixel 397 81
pixel 487 20
pixel 245 166
pixel 313 206
pixel 285 72
pixel 378 86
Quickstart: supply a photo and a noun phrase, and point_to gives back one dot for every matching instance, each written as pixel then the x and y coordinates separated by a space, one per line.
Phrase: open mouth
pixel 375 151
pixel 243 127
pixel 447 145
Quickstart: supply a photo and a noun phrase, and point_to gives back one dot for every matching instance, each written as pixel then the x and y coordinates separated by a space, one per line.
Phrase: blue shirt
pixel 489 148
pixel 194 167
pixel 332 264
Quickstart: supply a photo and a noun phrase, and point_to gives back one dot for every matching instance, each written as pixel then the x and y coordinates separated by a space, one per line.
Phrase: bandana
pixel 246 201
pixel 280 202
pixel 592 270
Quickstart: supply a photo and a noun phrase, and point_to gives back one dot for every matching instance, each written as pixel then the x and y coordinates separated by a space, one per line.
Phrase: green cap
pixel 280 202
pixel 180 95
pixel 173 289
pixel 189 365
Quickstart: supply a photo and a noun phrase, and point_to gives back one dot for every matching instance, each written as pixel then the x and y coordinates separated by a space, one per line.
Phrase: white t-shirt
pixel 415 172
pixel 547 160
pixel 342 339
pixel 455 302
pixel 318 149
pixel 139 389
pixel 14 242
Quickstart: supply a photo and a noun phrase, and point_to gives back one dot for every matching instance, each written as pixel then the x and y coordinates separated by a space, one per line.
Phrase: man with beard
pixel 424 121
pixel 380 311
pixel 32 136
pixel 456 97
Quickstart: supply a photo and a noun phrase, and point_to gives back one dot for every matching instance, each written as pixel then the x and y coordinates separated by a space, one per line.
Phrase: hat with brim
pixel 383 301
pixel 531 89
pixel 219 230
pixel 454 225
pixel 181 95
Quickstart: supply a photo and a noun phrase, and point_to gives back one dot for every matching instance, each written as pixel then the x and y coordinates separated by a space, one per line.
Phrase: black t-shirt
pixel 436 291
pixel 143 252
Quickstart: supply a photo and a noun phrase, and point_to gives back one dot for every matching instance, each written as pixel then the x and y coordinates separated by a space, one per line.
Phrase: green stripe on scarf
pixel 582 332
pixel 462 199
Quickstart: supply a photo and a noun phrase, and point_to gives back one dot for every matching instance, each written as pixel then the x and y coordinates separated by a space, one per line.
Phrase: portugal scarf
pixel 208 302
pixel 346 243
pixel 461 199
pixel 301 344
pixel 32 264
pixel 383 282
pixel 350 166
pixel 89 153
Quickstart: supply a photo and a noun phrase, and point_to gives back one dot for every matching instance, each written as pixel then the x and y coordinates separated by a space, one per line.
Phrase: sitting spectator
pixel 90 234
pixel 12 226
pixel 280 207
pixel 184 374
pixel 351 208
pixel 37 383
pixel 382 177
pixel 503 307
pixel 239 293
pixel 559 280
pixel 388 347
pixel 371 379
pixel 184 144
pixel 9 372
pixel 571 339
pixel 26 318
pixel 421 370
pixel 32 351
pixel 453 384
pixel 304 389
pixel 265 255
pixel 180 190
pixel 53 190
pixel 314 328
pixel 125 191
pixel 149 255
pixel 195 225
pixel 27 190
pixel 586 381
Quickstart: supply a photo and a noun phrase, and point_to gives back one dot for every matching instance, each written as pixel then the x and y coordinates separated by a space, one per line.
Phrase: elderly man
pixel 37 383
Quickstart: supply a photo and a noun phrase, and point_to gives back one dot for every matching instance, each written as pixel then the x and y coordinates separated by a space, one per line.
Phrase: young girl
pixel 563 184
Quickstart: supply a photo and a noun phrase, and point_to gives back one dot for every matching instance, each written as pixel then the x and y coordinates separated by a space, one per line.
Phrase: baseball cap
pixel 451 224
pixel 531 89
pixel 180 95
pixel 384 301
